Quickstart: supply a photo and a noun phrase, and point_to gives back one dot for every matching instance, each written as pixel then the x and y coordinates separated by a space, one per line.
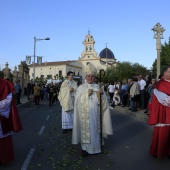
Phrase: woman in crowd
pixel 135 93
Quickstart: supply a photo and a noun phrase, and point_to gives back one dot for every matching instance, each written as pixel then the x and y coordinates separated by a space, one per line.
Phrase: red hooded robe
pixel 12 123
pixel 158 112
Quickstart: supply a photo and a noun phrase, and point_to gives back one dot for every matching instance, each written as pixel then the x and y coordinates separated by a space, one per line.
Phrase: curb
pixel 24 103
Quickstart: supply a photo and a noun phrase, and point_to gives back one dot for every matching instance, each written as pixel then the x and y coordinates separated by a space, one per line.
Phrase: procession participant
pixel 19 94
pixel 29 87
pixel 9 121
pixel 37 94
pixel 66 97
pixel 55 95
pixel 87 125
pixel 159 116
pixel 16 87
pixel 50 92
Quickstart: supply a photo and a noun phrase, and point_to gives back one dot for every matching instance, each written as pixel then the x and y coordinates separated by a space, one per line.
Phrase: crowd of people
pixel 41 91
pixel 136 93
pixel 86 110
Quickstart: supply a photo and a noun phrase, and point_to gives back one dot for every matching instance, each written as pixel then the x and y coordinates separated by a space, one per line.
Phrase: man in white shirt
pixel 142 84
pixel 111 90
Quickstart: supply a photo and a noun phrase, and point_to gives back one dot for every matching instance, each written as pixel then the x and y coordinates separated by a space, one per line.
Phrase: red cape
pixel 158 112
pixel 12 123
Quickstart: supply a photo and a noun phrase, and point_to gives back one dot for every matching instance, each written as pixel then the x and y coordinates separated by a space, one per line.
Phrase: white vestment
pixel 66 99
pixel 86 126
pixel 5 108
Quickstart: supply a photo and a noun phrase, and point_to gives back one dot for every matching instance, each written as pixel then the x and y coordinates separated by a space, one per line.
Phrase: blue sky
pixel 124 24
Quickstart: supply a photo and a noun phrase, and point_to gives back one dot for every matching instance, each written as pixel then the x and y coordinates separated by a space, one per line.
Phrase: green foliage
pixel 1 74
pixel 164 57
pixel 123 71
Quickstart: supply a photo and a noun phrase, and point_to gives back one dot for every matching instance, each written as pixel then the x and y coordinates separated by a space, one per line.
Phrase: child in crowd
pixel 116 98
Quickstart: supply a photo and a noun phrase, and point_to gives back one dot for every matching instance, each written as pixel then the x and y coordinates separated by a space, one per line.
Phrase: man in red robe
pixel 9 121
pixel 159 116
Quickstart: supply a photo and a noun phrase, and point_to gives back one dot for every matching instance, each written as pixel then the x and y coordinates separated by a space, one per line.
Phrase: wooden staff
pixel 101 122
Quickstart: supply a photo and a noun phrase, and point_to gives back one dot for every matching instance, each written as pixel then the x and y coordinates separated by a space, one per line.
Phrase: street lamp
pixel 35 40
pixel 158 35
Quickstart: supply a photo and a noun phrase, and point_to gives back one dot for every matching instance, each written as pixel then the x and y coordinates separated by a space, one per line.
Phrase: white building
pixel 51 69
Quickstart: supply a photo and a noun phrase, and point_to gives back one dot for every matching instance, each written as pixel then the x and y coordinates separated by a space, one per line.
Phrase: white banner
pixel 39 60
pixel 28 59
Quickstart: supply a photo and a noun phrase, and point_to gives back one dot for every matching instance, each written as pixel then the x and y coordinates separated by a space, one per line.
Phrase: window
pixel 90 48
pixel 86 48
pixel 60 72
pixel 88 56
pixel 87 63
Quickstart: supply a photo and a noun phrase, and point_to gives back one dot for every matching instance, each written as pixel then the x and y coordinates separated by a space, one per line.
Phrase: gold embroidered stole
pixel 85 114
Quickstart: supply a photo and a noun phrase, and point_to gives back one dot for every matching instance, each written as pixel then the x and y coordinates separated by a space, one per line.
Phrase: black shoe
pixel 145 111
pixel 64 131
pixel 130 109
pixel 134 110
pixel 84 153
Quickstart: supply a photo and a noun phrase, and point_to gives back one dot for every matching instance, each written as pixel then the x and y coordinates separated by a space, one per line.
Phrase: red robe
pixel 159 113
pixel 12 123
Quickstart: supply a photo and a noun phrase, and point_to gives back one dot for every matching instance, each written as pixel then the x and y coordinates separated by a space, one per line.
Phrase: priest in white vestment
pixel 86 126
pixel 66 97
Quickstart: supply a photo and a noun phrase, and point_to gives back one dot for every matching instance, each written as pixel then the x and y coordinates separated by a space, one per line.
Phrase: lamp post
pixel 35 40
pixel 158 35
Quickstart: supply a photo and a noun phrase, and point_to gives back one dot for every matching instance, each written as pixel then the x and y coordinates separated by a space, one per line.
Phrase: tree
pixel 1 74
pixel 123 71
pixel 164 57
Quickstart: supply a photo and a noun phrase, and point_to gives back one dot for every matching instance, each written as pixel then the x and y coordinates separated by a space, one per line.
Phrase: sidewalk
pixel 140 115
pixel 24 100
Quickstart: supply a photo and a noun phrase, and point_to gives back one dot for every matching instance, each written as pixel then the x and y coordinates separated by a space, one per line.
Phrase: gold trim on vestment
pixel 85 114
pixel 85 118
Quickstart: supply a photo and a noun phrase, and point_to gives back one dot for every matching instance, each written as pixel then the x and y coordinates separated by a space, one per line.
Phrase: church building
pixel 105 59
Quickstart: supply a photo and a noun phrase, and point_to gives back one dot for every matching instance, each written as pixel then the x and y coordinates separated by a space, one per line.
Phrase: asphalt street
pixel 41 144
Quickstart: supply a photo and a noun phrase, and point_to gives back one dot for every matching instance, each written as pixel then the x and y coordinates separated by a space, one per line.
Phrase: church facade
pixel 104 60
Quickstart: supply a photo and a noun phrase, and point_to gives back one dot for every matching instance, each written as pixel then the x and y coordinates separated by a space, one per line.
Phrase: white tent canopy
pixel 54 81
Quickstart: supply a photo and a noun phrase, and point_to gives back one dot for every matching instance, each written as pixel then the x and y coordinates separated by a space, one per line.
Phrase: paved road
pixel 41 145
